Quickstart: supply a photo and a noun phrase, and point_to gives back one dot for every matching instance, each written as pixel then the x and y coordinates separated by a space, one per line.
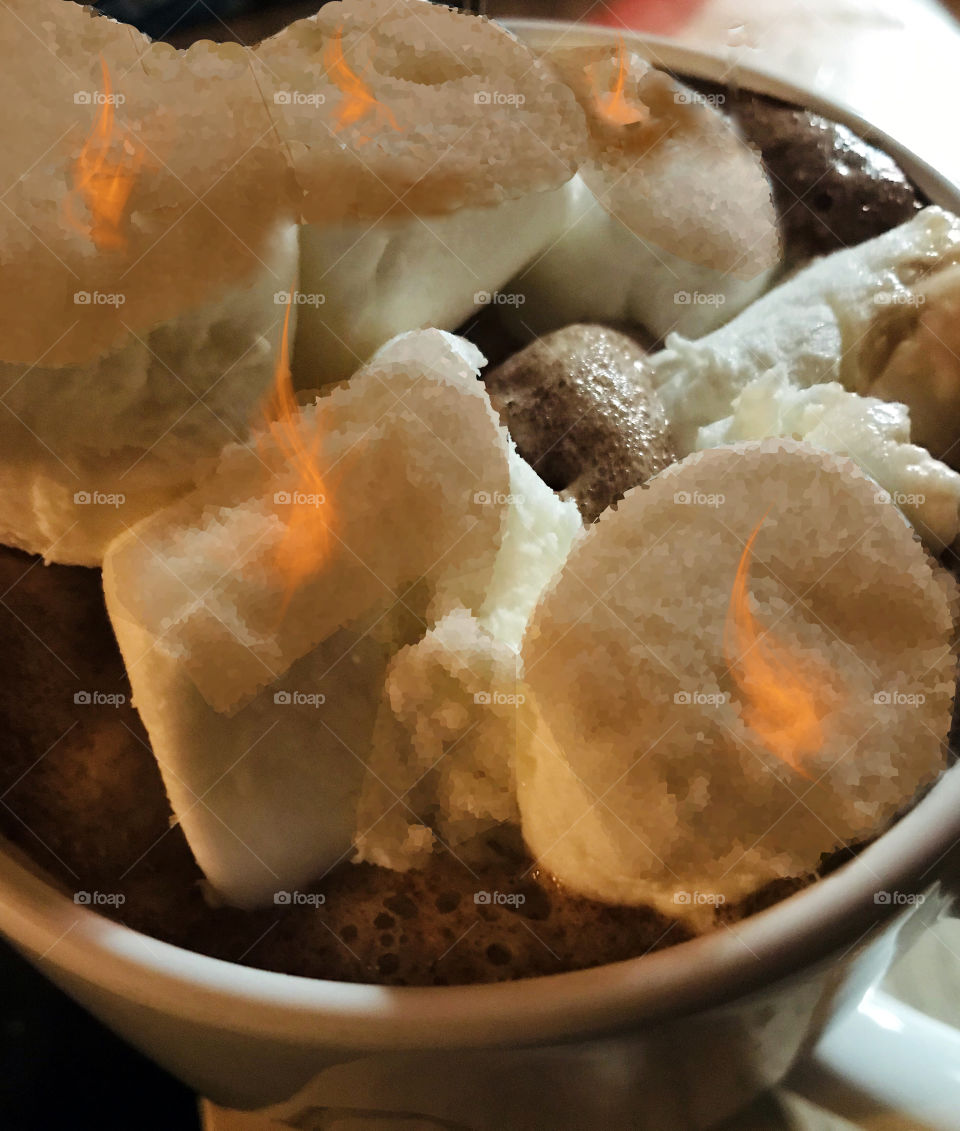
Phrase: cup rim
pixel 79 946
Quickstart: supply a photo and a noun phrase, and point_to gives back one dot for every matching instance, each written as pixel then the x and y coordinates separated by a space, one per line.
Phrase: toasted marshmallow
pixel 667 768
pixel 260 696
pixel 146 235
pixel 671 223
pixel 840 319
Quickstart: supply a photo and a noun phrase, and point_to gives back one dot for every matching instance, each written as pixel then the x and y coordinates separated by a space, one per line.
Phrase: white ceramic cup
pixel 680 1038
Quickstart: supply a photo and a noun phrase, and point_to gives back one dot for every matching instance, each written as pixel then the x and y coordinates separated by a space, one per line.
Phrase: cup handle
pixel 881 1056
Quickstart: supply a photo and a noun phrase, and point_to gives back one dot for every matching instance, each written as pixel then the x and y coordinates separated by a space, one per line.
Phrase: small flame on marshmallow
pixel 613 105
pixel 104 175
pixel 779 705
pixel 358 98
pixel 305 507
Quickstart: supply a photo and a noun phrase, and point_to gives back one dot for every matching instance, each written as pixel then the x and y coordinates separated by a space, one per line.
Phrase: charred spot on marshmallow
pixel 579 406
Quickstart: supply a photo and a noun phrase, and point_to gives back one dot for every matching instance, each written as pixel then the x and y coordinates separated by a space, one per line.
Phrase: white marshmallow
pixel 362 283
pixel 599 269
pixel 874 433
pixel 818 325
pixel 227 663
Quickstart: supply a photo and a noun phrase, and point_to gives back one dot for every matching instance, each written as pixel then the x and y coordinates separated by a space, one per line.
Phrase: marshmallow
pixel 671 223
pixel 665 765
pixel 455 708
pixel 362 283
pixel 873 433
pixel 260 698
pixel 840 319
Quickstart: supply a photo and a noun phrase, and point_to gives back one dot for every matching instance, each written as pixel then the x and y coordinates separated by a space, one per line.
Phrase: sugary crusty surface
pixel 219 154
pixel 668 165
pixel 647 784
pixel 415 473
pixel 210 184
pixel 458 112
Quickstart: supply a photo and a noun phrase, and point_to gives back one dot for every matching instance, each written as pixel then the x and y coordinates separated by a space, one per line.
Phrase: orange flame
pixel 307 535
pixel 612 105
pixel 104 175
pixel 358 99
pixel 780 706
